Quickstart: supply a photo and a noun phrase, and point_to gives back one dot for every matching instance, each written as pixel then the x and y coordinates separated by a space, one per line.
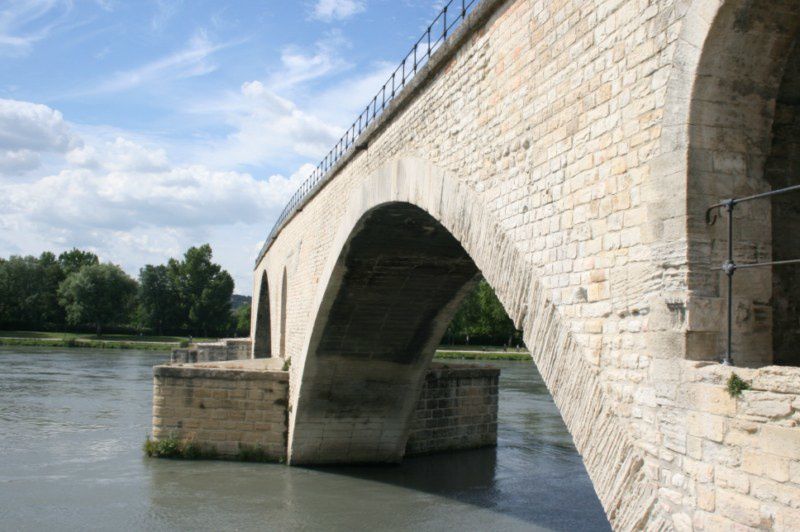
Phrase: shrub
pixel 176 448
pixel 736 385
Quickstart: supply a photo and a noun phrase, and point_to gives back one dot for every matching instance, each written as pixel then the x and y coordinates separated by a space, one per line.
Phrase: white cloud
pixel 126 201
pixel 28 131
pixel 299 66
pixel 165 10
pixel 328 10
pixel 25 22
pixel 191 61
pixel 265 129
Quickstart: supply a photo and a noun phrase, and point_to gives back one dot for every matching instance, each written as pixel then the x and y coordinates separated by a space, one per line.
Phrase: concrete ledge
pixel 257 369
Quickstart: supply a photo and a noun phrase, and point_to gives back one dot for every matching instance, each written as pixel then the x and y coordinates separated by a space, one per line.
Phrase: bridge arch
pixel 405 225
pixel 743 61
pixel 262 337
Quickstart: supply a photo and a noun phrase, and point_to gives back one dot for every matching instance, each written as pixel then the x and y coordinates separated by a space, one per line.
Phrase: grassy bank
pixel 105 341
pixel 167 343
pixel 482 355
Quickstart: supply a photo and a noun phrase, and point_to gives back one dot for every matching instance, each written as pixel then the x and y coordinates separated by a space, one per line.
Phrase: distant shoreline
pixel 71 340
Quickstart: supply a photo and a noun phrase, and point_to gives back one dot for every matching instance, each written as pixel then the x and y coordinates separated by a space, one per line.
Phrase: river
pixel 72 424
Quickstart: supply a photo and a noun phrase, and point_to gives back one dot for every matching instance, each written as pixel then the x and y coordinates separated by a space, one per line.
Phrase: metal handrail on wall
pixel 730 266
pixel 450 16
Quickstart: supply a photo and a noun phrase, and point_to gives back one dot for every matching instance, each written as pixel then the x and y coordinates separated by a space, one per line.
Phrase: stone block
pixel 739 508
pixel 708 398
pixel 705 425
pixel 763 464
pixel 732 479
pixel 780 441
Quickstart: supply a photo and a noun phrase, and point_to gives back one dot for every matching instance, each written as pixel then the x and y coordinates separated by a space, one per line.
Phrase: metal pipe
pixel 729 268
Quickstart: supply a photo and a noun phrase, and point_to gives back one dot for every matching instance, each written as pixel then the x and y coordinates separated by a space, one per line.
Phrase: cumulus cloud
pixel 265 128
pixel 328 10
pixel 126 200
pixel 28 131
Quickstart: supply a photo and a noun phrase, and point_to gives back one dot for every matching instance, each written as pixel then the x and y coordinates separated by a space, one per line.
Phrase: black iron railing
pixel 451 15
pixel 730 266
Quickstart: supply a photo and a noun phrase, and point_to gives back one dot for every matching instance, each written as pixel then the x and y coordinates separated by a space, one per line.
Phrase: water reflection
pixel 72 423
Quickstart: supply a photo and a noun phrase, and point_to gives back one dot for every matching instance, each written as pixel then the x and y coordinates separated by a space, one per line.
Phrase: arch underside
pixel 395 289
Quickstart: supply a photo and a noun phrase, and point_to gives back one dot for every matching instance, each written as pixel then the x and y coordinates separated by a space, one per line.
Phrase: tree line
pixel 482 320
pixel 192 295
pixel 74 290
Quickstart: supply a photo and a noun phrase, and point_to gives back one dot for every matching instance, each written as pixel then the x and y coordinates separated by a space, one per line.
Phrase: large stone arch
pixel 456 216
pixel 739 69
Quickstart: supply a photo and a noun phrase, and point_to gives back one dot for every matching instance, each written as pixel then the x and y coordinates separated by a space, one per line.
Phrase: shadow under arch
pixel 332 420
pixel 262 339
pixel 397 284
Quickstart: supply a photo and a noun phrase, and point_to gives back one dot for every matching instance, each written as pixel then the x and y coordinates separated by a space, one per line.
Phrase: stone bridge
pixel 567 150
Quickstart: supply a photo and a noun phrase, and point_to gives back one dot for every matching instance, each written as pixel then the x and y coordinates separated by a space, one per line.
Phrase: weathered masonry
pixel 234 407
pixel 568 150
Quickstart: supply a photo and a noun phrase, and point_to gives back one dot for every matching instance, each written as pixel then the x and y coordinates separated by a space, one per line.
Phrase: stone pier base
pixel 238 408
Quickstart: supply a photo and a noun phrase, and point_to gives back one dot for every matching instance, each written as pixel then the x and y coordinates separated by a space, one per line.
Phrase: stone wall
pixel 727 463
pixel 456 410
pixel 230 406
pixel 241 405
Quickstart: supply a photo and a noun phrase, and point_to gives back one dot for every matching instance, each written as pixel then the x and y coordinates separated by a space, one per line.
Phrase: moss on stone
pixel 736 385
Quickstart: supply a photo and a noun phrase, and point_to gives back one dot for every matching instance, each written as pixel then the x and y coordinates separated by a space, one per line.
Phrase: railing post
pixel 729 267
pixel 429 42
pixel 444 22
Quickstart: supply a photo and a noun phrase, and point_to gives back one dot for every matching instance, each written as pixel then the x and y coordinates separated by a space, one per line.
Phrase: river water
pixel 72 423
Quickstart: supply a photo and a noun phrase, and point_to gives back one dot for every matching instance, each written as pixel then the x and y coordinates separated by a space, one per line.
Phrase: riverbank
pixel 107 341
pixel 444 354
pixel 168 343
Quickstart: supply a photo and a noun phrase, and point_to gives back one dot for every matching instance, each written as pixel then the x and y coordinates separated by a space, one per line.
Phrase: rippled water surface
pixel 72 423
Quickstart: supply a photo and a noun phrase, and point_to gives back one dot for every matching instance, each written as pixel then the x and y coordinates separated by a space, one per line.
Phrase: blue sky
pixel 138 128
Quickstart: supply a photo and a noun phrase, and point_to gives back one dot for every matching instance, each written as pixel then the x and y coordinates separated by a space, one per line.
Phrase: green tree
pixel 159 299
pixel 99 294
pixel 205 290
pixel 481 319
pixel 28 292
pixel 243 320
pixel 51 274
pixel 73 260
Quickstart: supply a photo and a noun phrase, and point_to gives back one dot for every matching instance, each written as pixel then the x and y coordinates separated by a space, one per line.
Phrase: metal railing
pixel 450 16
pixel 730 266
